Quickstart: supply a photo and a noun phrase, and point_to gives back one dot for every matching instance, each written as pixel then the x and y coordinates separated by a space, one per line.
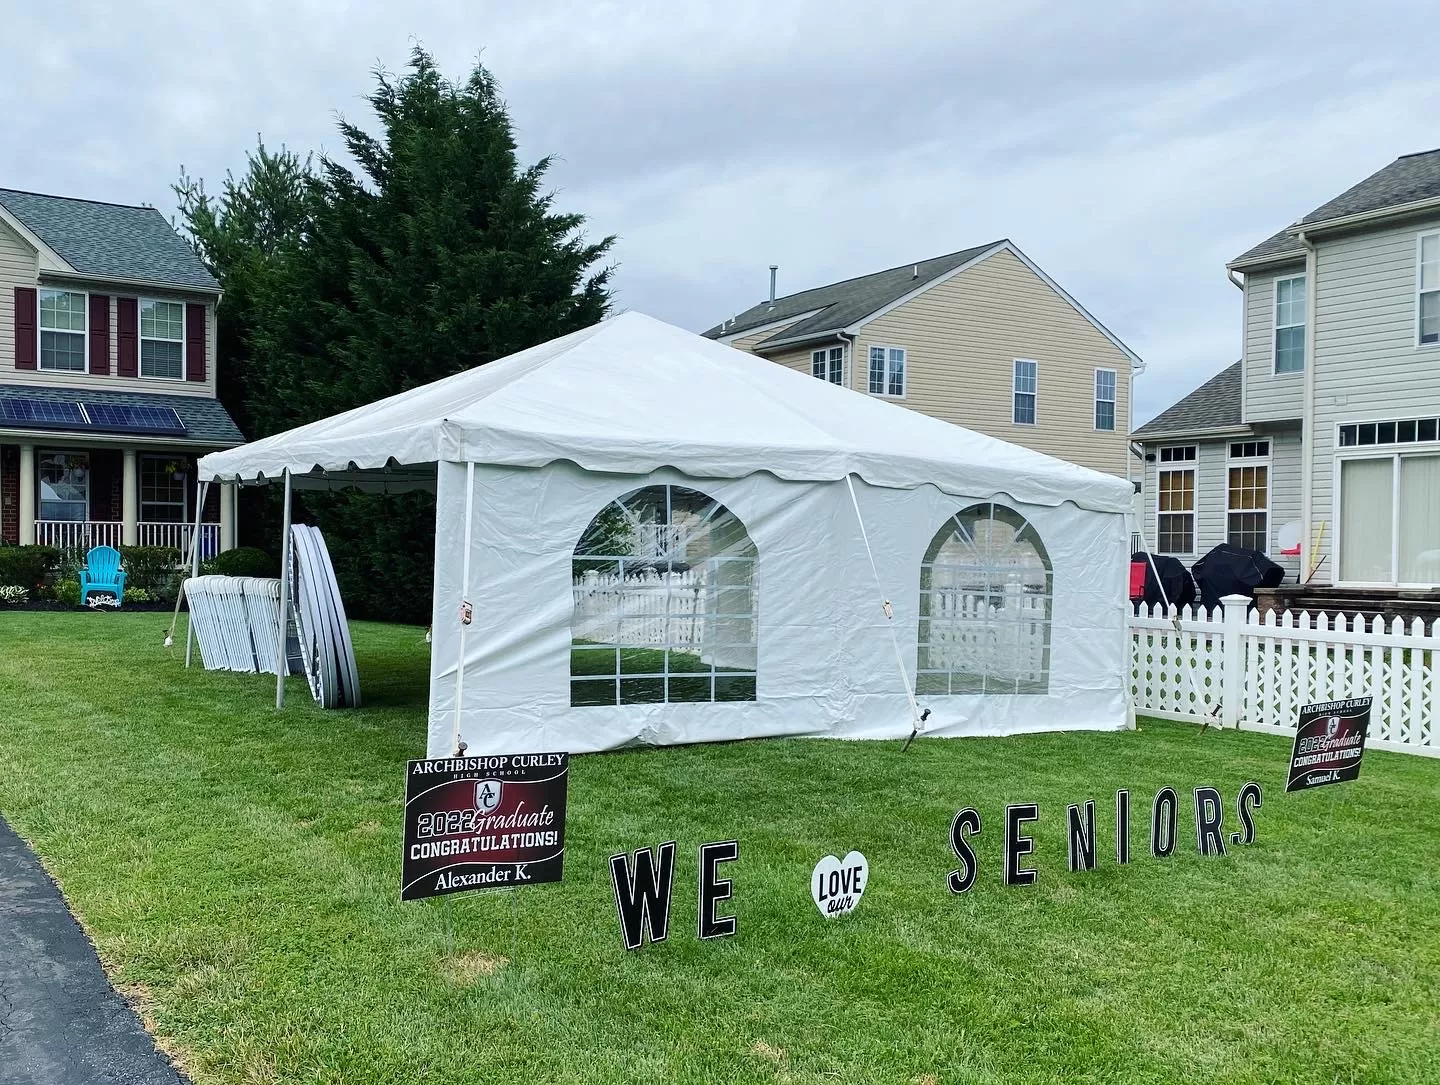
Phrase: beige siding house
pixel 1340 378
pixel 107 378
pixel 982 338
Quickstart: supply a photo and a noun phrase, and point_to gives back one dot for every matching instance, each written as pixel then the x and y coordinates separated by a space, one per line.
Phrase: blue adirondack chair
pixel 102 572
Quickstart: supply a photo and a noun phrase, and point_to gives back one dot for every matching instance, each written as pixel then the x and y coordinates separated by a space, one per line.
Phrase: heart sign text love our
pixel 837 884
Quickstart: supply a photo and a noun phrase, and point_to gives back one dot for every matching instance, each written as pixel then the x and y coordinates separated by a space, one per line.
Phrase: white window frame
pixel 141 339
pixel 890 352
pixel 1276 327
pixel 1015 391
pixel 1420 240
pixel 822 358
pixel 1114 397
pixel 1193 466
pixel 1394 453
pixel 1232 462
pixel 40 331
pixel 40 455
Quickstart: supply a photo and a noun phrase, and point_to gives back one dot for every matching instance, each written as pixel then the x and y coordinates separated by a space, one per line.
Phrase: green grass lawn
pixel 238 870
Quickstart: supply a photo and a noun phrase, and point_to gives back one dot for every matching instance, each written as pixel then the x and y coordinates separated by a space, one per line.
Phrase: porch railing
pixel 75 537
pixel 71 536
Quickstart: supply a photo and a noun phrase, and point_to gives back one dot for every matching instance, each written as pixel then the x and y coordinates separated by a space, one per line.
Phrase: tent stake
pixel 281 663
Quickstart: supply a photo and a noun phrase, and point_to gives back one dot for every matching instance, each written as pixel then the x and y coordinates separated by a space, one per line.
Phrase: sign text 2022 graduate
pixel 483 823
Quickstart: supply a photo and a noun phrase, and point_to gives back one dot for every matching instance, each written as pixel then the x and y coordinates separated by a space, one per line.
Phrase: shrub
pixel 155 569
pixel 68 592
pixel 12 595
pixel 27 567
pixel 246 561
pixel 138 595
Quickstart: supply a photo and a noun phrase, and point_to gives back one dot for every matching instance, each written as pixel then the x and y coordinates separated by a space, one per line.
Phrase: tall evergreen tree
pixel 436 252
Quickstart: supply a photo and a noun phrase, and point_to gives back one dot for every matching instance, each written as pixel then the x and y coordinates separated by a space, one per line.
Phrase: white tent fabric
pixel 555 436
pixel 631 395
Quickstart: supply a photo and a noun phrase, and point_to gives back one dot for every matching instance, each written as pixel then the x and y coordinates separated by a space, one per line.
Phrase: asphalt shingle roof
pixel 843 303
pixel 1410 178
pixel 110 240
pixel 206 420
pixel 1214 405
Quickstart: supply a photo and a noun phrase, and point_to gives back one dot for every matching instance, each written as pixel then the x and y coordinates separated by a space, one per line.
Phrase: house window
pixel 1427 302
pixel 986 590
pixel 162 339
pixel 887 371
pixel 1175 530
pixel 162 490
pixel 665 606
pixel 828 365
pixel 62 330
pixel 1406 431
pixel 1026 384
pixel 1247 511
pixel 1290 324
pixel 1390 520
pixel 1105 399
pixel 64 486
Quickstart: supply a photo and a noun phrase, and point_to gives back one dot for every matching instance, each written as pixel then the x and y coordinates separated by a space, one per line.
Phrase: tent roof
pixel 631 395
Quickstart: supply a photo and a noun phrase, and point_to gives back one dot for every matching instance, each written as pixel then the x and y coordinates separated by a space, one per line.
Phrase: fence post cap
pixel 1235 600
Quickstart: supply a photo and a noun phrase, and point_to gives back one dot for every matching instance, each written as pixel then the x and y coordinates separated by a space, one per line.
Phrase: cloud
pixel 1129 148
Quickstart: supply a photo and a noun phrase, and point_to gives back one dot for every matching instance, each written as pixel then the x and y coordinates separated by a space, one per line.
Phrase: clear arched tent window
pixel 986 591
pixel 665 602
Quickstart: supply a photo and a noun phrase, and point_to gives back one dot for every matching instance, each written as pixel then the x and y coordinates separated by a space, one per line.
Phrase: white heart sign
pixel 837 884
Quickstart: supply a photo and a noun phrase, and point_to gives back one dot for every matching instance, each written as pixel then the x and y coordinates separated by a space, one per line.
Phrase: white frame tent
pixel 827 503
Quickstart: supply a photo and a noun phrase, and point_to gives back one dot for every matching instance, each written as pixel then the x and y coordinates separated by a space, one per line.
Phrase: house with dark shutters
pixel 107 379
pixel 1321 445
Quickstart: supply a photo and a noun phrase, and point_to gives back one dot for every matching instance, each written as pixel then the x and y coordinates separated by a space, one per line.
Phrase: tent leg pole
pixel 465 610
pixel 200 496
pixel 280 661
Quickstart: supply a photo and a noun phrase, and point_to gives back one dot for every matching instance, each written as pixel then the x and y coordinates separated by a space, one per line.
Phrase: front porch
pixel 74 497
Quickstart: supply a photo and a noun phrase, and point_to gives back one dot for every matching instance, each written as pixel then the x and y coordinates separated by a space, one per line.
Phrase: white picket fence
pixel 1238 669
pixel 1004 637
pixel 654 608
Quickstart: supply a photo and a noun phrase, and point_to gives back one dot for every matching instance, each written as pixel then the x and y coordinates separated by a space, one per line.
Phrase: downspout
pixel 1307 414
pixel 846 348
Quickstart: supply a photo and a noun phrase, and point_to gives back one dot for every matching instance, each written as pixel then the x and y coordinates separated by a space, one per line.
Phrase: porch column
pixel 227 515
pixel 130 500
pixel 27 495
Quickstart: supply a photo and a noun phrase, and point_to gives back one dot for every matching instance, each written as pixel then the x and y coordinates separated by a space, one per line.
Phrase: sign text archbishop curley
pixel 483 823
pixel 1329 743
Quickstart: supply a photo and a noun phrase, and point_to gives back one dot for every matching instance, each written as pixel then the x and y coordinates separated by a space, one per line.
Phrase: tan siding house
pixel 944 336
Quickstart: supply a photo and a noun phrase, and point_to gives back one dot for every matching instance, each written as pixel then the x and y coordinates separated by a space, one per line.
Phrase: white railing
pixel 179 536
pixel 1003 635
pixel 1239 669
pixel 77 536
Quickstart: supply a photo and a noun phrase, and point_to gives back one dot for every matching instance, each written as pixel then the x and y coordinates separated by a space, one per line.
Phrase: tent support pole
pixel 281 663
pixel 466 612
pixel 200 496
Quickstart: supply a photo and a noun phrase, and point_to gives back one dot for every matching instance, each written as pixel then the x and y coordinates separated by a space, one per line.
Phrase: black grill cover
pixel 1179 587
pixel 1233 570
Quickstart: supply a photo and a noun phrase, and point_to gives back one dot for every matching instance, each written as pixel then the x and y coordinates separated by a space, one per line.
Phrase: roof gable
pixel 1214 405
pixel 110 241
pixel 1411 178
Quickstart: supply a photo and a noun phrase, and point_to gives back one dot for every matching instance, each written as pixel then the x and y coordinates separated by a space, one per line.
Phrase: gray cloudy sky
pixel 1129 148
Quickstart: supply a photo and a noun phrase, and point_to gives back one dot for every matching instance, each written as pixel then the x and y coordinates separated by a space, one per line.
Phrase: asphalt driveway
pixel 61 1023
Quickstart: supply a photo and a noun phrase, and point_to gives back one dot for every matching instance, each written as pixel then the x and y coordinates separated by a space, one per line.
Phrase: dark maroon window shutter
pixel 194 342
pixel 127 343
pixel 100 334
pixel 25 320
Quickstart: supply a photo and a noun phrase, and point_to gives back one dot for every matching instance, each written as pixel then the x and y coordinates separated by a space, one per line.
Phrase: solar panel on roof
pixel 50 414
pixel 133 418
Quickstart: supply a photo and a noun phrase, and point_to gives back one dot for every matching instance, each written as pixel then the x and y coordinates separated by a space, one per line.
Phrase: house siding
pixel 18 266
pixel 961 339
pixel 1267 395
pixel 1212 492
pixel 1370 366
